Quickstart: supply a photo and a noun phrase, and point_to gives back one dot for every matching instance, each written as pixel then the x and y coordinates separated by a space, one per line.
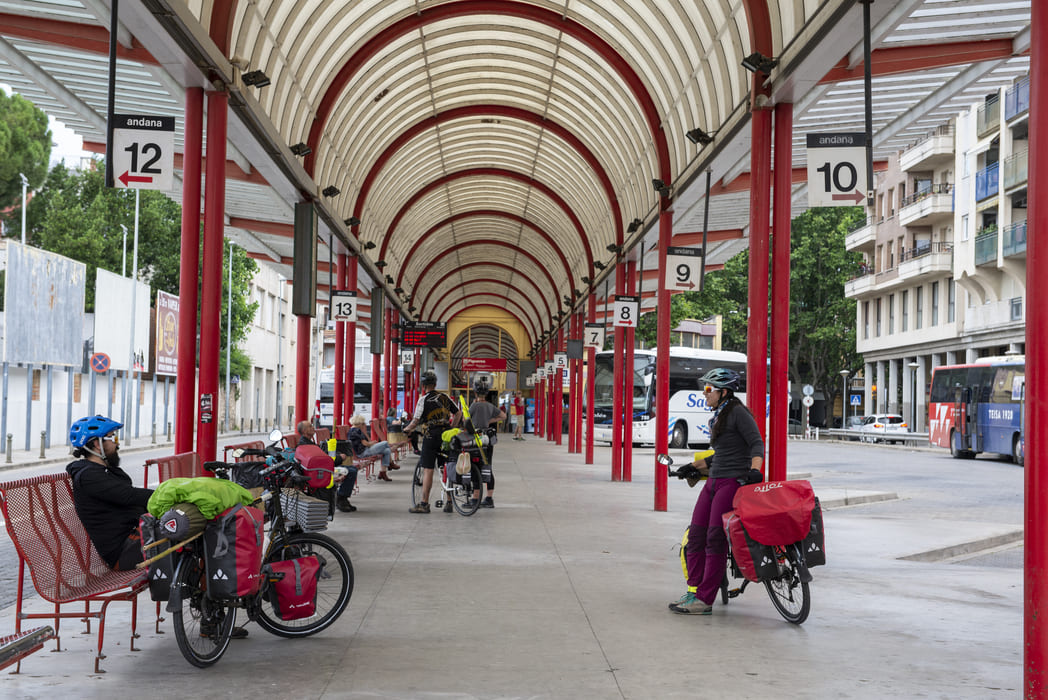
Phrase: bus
pixel 325 401
pixel 978 407
pixel 689 415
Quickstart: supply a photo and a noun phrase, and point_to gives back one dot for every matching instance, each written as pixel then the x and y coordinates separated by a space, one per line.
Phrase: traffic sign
pixel 594 336
pixel 683 267
pixel 807 390
pixel 143 152
pixel 836 169
pixel 627 308
pixel 344 306
pixel 807 401
pixel 100 362
pixel 856 399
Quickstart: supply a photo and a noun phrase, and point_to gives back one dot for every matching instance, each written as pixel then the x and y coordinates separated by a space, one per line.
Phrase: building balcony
pixel 862 237
pixel 861 285
pixel 1017 99
pixel 988 118
pixel 936 149
pixel 927 206
pixel 929 260
pixel 1015 170
pixel 986 182
pixel 986 247
pixel 1013 240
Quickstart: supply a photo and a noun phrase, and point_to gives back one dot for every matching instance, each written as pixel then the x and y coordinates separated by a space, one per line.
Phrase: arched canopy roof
pixel 507 141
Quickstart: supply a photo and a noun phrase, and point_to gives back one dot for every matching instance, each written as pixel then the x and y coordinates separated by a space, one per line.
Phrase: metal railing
pixel 1013 238
pixel 937 188
pixel 927 249
pixel 1015 169
pixel 986 182
pixel 1017 98
pixel 988 117
pixel 986 247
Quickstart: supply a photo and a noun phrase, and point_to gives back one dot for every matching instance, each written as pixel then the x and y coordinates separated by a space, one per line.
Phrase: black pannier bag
pixel 162 571
pixel 814 545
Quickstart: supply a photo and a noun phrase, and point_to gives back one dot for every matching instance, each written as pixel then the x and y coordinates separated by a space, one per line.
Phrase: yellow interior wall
pixel 492 315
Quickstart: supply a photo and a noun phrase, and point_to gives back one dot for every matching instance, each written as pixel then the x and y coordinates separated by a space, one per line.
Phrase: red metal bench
pixel 15 647
pixel 65 568
pixel 180 465
pixel 378 434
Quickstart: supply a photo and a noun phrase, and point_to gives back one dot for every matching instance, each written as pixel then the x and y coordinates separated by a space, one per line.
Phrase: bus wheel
pixel 1017 451
pixel 955 451
pixel 679 438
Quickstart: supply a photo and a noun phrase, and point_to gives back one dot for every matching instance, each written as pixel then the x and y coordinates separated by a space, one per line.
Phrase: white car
pixel 881 427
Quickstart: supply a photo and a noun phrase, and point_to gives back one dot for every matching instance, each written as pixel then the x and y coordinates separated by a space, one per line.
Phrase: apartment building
pixel 943 277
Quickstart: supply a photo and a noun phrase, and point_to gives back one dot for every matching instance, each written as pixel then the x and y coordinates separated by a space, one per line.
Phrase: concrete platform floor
pixel 561 592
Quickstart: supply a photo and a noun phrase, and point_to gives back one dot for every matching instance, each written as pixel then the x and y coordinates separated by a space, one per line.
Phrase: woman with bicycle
pixel 738 446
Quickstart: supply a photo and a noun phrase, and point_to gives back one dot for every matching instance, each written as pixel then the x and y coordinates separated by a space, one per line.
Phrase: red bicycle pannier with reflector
pixel 233 553
pixel 317 465
pixel 756 561
pixel 293 587
pixel 776 512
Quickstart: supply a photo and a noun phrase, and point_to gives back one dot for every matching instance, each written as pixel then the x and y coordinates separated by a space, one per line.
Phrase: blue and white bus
pixel 689 415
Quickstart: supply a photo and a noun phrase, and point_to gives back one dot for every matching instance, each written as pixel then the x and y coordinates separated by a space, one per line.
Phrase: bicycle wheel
pixel 334 584
pixel 467 500
pixel 202 626
pixel 789 594
pixel 416 486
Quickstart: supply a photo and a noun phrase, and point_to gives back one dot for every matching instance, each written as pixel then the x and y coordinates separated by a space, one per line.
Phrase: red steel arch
pixel 458 270
pixel 494 295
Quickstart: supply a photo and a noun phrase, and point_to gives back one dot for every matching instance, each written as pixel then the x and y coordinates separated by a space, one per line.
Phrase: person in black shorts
pixel 438 413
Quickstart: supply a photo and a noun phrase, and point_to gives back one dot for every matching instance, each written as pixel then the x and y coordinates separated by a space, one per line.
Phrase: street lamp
pixel 25 188
pixel 844 398
pixel 913 395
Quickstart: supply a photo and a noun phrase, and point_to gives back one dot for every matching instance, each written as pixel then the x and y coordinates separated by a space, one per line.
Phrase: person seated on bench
pixel 307 436
pixel 106 502
pixel 363 447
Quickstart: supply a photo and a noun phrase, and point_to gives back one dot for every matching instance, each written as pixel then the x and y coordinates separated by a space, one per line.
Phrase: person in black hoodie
pixel 106 502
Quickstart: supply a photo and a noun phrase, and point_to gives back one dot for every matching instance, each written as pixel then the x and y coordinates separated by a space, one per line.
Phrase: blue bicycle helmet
pixel 87 429
pixel 722 378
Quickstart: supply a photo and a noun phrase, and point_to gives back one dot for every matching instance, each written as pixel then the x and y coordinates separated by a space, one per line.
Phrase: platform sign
pixel 837 169
pixel 594 336
pixel 143 152
pixel 560 359
pixel 343 306
pixel 407 358
pixel 627 309
pixel 540 373
pixel 683 268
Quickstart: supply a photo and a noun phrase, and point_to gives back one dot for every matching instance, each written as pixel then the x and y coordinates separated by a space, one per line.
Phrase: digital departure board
pixel 423 334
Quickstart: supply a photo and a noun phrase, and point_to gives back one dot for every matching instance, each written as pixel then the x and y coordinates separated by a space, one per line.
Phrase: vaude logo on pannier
pixel 220 576
pixel 766 561
pixel 814 547
pixel 159 575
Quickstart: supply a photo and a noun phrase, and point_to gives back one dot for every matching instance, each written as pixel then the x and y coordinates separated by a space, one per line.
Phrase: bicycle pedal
pixel 438 504
pixel 734 592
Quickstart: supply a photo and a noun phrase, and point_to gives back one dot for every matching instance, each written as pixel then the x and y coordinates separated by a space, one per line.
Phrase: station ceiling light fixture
pixel 331 191
pixel 700 137
pixel 301 149
pixel 660 187
pixel 757 62
pixel 255 78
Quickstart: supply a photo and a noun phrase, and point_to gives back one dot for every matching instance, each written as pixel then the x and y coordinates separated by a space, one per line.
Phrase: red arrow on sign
pixel 125 178
pixel 855 196
pixel 689 285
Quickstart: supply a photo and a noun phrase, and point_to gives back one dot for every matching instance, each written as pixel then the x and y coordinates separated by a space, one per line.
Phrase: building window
pixel 951 295
pixel 964 222
pixel 866 320
pixel 878 329
pixel 918 316
pixel 1016 309
pixel 905 310
pixel 891 314
pixel 891 255
pixel 36 385
pixel 935 303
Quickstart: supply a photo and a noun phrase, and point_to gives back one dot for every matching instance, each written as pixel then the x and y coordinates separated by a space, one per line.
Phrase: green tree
pixel 244 269
pixel 25 148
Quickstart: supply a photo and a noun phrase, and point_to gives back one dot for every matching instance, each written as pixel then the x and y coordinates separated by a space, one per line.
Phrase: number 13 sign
pixel 627 308
pixel 344 306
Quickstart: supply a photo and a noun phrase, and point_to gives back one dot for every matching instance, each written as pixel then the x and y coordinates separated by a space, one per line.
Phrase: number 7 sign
pixel 594 336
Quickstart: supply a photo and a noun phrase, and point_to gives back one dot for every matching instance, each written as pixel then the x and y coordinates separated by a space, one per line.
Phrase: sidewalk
pixel 561 592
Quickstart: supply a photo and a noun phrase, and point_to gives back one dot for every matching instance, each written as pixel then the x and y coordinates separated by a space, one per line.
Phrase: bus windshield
pixel 604 382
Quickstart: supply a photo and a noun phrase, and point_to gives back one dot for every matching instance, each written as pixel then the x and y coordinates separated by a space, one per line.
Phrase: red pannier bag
pixel 776 512
pixel 233 553
pixel 317 464
pixel 293 587
pixel 756 561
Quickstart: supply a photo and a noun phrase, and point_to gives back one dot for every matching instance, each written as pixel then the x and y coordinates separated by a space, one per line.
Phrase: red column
pixel 627 379
pixel 395 360
pixel 572 390
pixel 618 401
pixel 591 361
pixel 376 385
pixel 558 388
pixel 340 349
pixel 760 196
pixel 189 273
pixel 1035 637
pixel 576 389
pixel 303 348
pixel 350 364
pixel 662 362
pixel 387 363
pixel 540 400
pixel 780 294
pixel 211 274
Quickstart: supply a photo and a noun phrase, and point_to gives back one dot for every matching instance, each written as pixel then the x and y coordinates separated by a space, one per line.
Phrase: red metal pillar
pixel 211 274
pixel 376 385
pixel 775 466
pixel 760 201
pixel 591 361
pixel 572 390
pixel 189 272
pixel 627 377
pixel 662 361
pixel 340 349
pixel 538 424
pixel 1035 636
pixel 350 364
pixel 303 348
pixel 576 392
pixel 387 362
pixel 618 402
pixel 395 361
pixel 558 385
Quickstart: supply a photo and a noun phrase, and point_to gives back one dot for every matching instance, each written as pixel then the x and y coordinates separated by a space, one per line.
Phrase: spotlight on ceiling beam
pixel 614 248
pixel 578 293
pixel 389 280
pixel 369 245
pixel 634 225
pixel 660 187
pixel 599 265
pixel 331 191
pixel 700 137
pixel 411 309
pixel 301 149
pixel 759 63
pixel 398 290
pixel 352 221
pixel 587 280
pixel 380 264
pixel 255 78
